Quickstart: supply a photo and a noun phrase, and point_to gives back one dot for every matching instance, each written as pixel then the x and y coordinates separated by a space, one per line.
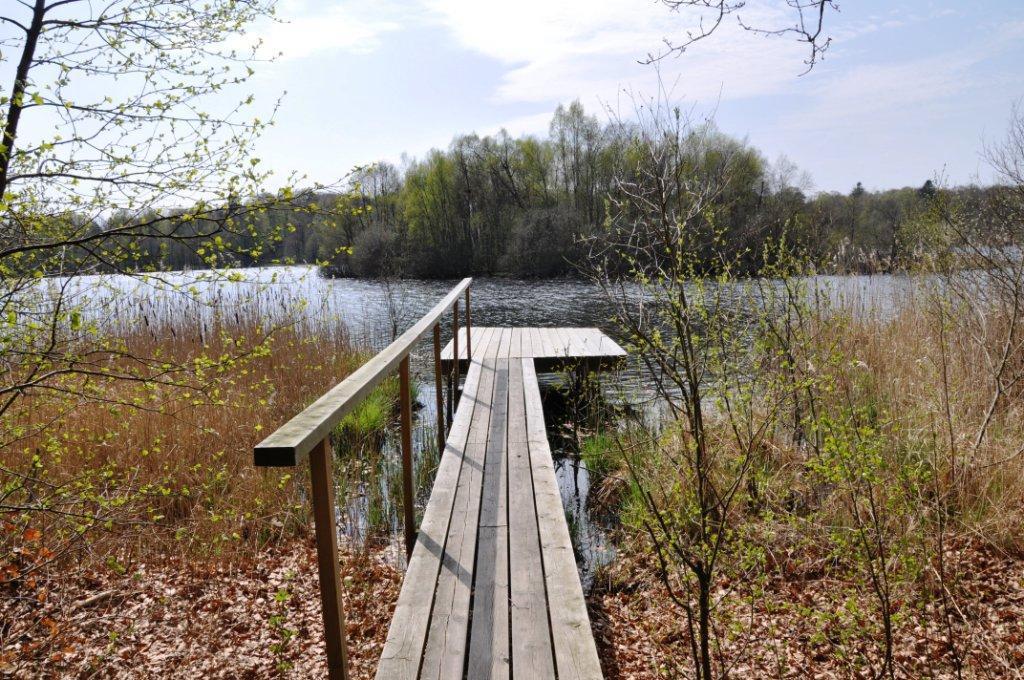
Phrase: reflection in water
pixel 592 548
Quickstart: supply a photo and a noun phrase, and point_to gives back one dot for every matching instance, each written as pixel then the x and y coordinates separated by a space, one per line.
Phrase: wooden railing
pixel 307 436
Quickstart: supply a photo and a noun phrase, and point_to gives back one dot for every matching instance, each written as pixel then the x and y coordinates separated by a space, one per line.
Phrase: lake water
pixel 373 312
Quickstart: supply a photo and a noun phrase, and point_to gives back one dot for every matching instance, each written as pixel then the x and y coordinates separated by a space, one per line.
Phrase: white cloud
pixel 347 26
pixel 556 50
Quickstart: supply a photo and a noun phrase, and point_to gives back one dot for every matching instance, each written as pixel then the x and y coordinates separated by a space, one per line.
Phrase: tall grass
pixel 881 446
pixel 120 470
pixel 919 380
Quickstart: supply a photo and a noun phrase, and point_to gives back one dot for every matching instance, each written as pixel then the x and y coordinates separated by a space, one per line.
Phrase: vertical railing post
pixel 405 396
pixel 469 330
pixel 453 376
pixel 439 392
pixel 327 559
pixel 455 346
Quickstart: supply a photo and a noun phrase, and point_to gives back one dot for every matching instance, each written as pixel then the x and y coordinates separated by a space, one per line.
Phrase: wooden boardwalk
pixel 492 589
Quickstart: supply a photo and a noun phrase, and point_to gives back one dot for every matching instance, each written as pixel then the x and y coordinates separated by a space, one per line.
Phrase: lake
pixel 373 312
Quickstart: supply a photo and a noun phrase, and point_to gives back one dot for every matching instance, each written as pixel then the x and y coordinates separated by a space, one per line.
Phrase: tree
pixel 541 243
pixel 661 264
pixel 576 137
pixel 808 24
pixel 110 163
pixel 927 189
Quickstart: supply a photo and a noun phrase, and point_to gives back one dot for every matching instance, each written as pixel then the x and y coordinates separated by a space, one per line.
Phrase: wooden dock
pixel 491 589
pixel 550 348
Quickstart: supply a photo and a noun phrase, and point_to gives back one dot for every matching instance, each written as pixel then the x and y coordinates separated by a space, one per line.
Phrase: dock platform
pixel 492 589
pixel 550 348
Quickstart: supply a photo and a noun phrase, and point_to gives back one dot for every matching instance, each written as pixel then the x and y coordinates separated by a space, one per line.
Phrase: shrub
pixel 542 242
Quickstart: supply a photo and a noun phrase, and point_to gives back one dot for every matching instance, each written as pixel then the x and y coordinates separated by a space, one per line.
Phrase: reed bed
pixel 877 527
pixel 113 471
pixel 127 502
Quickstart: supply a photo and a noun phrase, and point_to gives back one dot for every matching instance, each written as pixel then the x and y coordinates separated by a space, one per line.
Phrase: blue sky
pixel 908 91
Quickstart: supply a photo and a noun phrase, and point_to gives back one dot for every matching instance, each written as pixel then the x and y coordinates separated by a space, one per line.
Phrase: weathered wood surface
pixel 492 589
pixel 550 344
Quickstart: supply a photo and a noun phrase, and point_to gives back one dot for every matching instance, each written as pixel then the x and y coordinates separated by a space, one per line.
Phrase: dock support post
pixel 439 390
pixel 405 397
pixel 327 559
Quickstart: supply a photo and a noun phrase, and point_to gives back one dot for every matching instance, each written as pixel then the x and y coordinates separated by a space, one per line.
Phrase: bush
pixel 542 242
pixel 373 252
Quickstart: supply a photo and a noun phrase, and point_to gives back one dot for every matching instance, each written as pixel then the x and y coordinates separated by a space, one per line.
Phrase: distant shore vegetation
pixel 526 206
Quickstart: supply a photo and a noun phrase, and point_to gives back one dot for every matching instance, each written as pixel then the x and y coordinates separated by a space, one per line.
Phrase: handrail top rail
pixel 291 442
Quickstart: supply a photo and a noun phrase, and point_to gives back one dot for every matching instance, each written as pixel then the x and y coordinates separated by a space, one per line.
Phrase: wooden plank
pixel 547 346
pixel 446 353
pixel 526 350
pixel 489 645
pixel 484 403
pixel 540 347
pixel 482 350
pixel 611 348
pixel 551 342
pixel 532 657
pixel 493 340
pixel 574 646
pixel 557 343
pixel 607 347
pixel 481 339
pixel 565 342
pixel 407 635
pixel 591 339
pixel 445 651
pixel 464 334
pixel 576 345
pixel 503 343
pixel 538 343
pixel 291 442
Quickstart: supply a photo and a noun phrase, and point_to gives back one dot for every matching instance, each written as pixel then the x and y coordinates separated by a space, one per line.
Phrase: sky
pixel 909 90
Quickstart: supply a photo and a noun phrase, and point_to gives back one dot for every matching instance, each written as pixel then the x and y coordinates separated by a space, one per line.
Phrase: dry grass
pixel 926 370
pixel 902 491
pixel 137 539
pixel 114 471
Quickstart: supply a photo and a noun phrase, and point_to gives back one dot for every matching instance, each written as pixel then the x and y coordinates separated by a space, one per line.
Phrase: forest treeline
pixel 526 206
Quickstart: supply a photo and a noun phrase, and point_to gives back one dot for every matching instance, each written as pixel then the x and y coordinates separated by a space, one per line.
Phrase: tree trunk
pixel 17 103
pixel 704 626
